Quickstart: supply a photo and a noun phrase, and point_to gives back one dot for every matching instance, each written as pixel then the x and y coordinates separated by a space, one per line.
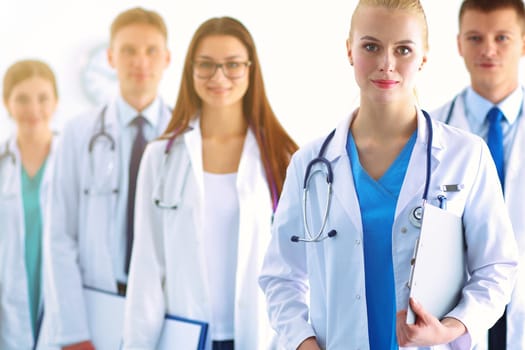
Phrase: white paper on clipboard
pixel 106 319
pixel 181 333
pixel 105 316
pixel 438 271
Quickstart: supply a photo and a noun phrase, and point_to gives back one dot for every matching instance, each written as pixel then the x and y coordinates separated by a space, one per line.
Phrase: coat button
pixel 404 230
pixel 358 296
pixel 357 242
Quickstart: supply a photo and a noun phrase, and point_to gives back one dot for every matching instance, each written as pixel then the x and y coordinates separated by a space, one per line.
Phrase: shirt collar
pixel 127 113
pixel 478 106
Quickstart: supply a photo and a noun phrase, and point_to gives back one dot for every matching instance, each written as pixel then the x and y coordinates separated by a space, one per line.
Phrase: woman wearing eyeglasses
pixel 205 197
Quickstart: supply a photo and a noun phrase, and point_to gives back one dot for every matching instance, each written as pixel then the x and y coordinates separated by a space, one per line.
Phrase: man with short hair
pixel 491 41
pixel 92 202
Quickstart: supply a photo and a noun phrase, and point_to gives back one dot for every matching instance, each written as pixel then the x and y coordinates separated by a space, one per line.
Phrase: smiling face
pixel 220 90
pixel 492 44
pixel 387 49
pixel 139 54
pixel 32 103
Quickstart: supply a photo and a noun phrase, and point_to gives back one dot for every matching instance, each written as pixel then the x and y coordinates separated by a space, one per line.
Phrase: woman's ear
pixel 423 61
pixel 349 52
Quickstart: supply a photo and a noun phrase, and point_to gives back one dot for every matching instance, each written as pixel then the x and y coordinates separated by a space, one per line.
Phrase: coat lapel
pixel 415 177
pixel 343 184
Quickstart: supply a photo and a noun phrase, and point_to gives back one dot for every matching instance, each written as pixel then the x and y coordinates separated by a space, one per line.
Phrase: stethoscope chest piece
pixel 415 216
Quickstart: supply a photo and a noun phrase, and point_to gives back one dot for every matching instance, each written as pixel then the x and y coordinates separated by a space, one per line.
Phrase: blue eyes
pixel 479 38
pixel 130 51
pixel 371 47
pixel 401 50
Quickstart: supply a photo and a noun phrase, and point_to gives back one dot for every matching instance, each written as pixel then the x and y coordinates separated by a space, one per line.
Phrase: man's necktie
pixel 498 333
pixel 495 141
pixel 136 154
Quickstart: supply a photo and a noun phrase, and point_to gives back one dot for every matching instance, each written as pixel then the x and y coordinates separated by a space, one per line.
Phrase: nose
pixel 219 73
pixel 140 60
pixel 34 108
pixel 489 48
pixel 386 62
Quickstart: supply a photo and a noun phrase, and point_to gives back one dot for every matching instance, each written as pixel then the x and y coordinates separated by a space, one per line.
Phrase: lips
pixel 140 76
pixel 487 64
pixel 385 83
pixel 218 89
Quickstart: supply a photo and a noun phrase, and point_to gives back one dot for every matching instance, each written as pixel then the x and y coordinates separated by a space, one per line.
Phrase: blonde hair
pixel 138 15
pixel 406 5
pixel 23 70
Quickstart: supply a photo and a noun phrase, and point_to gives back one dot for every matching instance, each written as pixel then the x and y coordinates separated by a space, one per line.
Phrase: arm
pixel 492 255
pixel 309 344
pixel 145 307
pixel 284 274
pixel 491 264
pixel 64 302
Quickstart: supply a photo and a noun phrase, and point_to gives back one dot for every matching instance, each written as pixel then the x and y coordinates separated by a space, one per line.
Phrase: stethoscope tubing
pixel 318 236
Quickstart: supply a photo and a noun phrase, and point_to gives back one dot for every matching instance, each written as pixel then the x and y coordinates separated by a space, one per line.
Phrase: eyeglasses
pixel 232 69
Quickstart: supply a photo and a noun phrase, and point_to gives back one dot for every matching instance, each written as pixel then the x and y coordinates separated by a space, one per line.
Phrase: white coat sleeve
pixel 284 274
pixel 492 255
pixel 145 305
pixel 64 302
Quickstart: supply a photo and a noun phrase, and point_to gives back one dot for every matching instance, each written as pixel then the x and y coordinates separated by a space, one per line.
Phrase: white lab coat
pixel 82 227
pixel 515 202
pixel 15 319
pixel 168 268
pixel 333 270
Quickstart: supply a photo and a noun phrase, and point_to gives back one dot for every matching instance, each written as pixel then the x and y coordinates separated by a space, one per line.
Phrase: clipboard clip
pixel 412 264
pixel 452 187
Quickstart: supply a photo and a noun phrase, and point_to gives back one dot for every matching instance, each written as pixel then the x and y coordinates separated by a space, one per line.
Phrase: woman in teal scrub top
pixel 30 97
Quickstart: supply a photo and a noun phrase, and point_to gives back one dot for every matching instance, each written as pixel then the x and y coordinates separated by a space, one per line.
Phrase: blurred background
pixel 301 46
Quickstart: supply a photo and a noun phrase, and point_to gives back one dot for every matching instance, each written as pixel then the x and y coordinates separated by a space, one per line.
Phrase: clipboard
pixel 105 317
pixel 105 312
pixel 438 271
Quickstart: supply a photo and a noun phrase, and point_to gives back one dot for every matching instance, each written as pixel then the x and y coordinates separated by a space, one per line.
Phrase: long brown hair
pixel 275 145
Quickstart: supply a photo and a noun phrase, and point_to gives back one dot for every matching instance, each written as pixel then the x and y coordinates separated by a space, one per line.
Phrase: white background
pixel 301 46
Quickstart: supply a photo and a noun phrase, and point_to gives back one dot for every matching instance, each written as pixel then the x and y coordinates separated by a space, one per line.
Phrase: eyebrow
pixel 472 32
pixel 226 58
pixel 401 42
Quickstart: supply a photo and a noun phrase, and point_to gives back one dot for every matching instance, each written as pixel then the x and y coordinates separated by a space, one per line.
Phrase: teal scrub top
pixel 33 240
pixel 378 201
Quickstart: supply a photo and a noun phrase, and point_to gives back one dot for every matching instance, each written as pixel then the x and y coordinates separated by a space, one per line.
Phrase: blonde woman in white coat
pixel 205 197
pixel 346 286
pixel 30 96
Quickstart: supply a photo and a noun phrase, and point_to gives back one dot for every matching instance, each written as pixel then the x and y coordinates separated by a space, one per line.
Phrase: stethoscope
pixel 101 136
pixel 415 216
pixel 7 159
pixel 8 154
pixel 450 112
pixel 180 179
pixel 101 133
pixel 158 200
